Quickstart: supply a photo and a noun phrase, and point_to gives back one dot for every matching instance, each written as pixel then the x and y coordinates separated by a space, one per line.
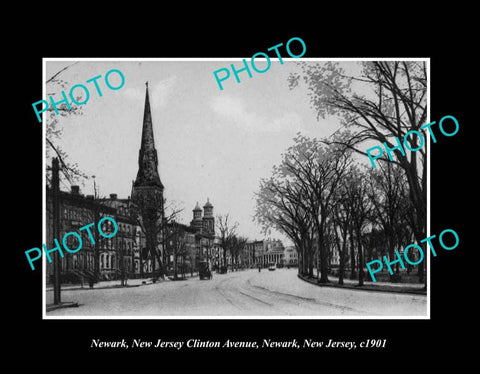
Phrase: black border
pixel 411 338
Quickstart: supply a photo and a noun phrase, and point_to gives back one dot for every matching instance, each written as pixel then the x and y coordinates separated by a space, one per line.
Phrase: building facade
pixel 265 252
pixel 98 258
pixel 290 256
pixel 273 252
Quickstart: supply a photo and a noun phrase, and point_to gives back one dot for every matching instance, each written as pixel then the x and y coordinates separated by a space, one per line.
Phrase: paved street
pixel 242 293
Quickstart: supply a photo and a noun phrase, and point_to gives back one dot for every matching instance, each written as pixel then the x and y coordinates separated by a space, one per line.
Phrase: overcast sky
pixel 211 143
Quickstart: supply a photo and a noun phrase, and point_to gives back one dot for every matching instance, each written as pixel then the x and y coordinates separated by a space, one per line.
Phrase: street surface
pixel 242 293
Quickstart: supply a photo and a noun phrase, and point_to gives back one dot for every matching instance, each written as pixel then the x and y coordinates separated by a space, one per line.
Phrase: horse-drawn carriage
pixel 204 271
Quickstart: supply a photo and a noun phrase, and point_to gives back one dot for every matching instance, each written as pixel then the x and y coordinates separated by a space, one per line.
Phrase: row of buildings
pixel 266 252
pixel 181 247
pixel 125 254
pixel 147 242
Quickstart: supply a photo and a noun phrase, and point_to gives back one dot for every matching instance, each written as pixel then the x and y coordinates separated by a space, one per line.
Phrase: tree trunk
pixel 323 261
pixel 418 197
pixel 175 266
pixel 342 263
pixel 419 236
pixel 300 259
pixel 353 273
pixel 57 264
pixel 341 252
pixel 151 244
pixel 310 263
pixel 160 265
pixel 361 274
pixel 391 253
pixel 153 265
pixel 304 260
pixel 96 247
pixel 122 275
pixel 183 266
pixel 224 257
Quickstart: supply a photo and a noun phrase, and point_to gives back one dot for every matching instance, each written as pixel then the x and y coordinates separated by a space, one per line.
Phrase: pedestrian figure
pixel 90 282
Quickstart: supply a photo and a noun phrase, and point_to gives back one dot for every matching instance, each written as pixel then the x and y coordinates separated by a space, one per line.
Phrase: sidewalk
pixel 134 282
pixel 101 285
pixel 415 288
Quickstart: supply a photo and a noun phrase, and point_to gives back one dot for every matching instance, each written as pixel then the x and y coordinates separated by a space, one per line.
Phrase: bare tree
pixel 281 205
pixel 238 244
pixel 71 172
pixel 298 198
pixel 389 196
pixel 383 102
pixel 227 232
pixel 162 220
pixel 175 244
pixel 360 212
pixel 319 169
pixel 342 221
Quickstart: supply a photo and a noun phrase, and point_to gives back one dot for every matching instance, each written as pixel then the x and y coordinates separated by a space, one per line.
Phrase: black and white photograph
pixel 238 188
pixel 224 196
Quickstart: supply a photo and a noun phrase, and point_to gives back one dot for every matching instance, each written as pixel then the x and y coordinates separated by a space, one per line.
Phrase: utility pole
pixel 56 230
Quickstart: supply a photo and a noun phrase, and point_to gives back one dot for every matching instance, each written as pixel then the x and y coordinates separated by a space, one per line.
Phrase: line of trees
pixel 325 202
pixel 178 247
pixel 230 241
pixel 322 199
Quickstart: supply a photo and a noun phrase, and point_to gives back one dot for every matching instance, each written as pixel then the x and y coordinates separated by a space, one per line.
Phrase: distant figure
pixel 90 282
pixel 259 268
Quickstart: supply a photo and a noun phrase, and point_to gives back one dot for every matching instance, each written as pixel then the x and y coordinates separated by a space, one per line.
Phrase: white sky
pixel 210 143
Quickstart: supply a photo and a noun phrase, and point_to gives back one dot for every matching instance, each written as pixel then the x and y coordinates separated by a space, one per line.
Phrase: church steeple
pixel 148 160
pixel 147 194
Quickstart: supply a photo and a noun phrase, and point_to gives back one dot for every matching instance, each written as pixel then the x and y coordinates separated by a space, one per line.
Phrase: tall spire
pixel 147 160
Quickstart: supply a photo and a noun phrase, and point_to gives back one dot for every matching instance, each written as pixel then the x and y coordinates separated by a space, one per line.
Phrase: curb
pixel 371 288
pixel 68 304
pixel 100 287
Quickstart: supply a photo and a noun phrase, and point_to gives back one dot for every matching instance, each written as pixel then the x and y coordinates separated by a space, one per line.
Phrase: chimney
pixel 113 196
pixel 75 190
